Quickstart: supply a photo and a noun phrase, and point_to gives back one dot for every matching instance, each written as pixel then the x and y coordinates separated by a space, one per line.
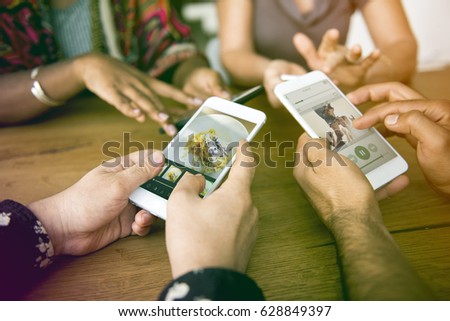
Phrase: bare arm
pixel 59 81
pixel 238 56
pixel 373 265
pixel 134 93
pixel 245 66
pixel 395 40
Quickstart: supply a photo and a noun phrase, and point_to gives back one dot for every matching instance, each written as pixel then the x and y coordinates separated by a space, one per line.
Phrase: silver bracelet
pixel 40 94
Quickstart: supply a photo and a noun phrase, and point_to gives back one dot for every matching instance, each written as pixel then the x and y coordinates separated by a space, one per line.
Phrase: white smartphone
pixel 205 145
pixel 324 111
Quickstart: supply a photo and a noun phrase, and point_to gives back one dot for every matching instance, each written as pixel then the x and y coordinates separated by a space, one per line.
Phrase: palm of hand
pixel 349 75
pixel 89 224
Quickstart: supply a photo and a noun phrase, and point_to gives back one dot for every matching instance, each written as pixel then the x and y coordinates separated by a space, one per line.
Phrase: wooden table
pixel 295 256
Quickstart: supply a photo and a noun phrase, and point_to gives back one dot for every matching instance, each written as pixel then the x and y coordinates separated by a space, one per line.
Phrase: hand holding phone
pixel 206 224
pixel 206 145
pixel 325 112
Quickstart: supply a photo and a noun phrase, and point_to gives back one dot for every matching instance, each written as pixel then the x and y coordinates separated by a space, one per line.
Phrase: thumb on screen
pixel 244 167
pixel 188 188
pixel 142 166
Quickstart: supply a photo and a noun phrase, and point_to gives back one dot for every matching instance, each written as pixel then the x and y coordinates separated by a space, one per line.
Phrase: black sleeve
pixel 25 249
pixel 212 284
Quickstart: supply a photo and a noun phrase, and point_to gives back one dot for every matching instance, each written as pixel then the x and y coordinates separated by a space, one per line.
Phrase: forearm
pixel 373 266
pixel 47 212
pixel 244 65
pixel 397 63
pixel 245 68
pixel 60 81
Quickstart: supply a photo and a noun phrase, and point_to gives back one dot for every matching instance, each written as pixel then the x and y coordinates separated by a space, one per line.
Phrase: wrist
pixel 208 259
pixel 81 66
pixel 356 223
pixel 46 211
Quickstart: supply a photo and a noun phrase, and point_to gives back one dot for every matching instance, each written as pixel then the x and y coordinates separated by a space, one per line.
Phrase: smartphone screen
pixel 330 115
pixel 205 146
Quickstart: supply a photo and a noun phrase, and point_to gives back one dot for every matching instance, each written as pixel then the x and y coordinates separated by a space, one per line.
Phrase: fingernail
pixel 355 123
pixel 391 119
pixel 163 116
pixel 350 97
pixel 197 101
pixel 136 111
pixel 171 130
pixel 226 94
pixel 156 157
pixel 141 218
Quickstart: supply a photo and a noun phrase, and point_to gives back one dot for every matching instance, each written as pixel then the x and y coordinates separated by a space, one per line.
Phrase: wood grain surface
pixel 295 255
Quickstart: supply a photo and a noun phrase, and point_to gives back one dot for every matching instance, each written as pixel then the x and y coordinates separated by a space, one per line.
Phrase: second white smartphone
pixel 324 111
pixel 206 145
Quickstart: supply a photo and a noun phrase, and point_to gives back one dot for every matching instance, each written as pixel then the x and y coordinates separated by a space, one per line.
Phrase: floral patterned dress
pixel 146 33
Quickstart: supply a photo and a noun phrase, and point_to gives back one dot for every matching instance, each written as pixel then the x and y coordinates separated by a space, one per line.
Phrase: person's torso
pixel 275 22
pixel 73 28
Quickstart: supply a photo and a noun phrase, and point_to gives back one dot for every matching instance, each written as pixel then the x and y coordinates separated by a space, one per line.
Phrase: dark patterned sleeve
pixel 25 40
pixel 212 284
pixel 25 249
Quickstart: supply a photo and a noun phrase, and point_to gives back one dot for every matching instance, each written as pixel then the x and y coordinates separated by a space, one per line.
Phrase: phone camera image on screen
pixel 330 116
pixel 205 146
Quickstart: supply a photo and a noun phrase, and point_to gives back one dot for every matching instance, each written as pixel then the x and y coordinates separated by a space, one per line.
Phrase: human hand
pixel 336 187
pixel 203 83
pixel 272 77
pixel 217 231
pixel 343 65
pixel 391 91
pixel 425 124
pixel 95 211
pixel 131 91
